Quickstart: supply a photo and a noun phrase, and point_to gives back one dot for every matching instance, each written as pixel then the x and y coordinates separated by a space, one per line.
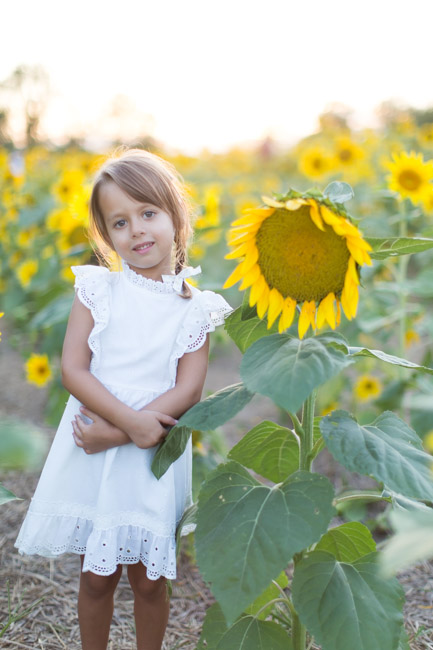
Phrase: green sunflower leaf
pixel 339 192
pixel 287 369
pixel 347 542
pixel 348 605
pixel 388 450
pixel 170 449
pixel 204 416
pixel 388 358
pixel 6 495
pixel 245 330
pixel 216 409
pixel 250 633
pixel 269 594
pixel 270 450
pixel 214 626
pixel 241 521
pixel 394 246
pixel 412 542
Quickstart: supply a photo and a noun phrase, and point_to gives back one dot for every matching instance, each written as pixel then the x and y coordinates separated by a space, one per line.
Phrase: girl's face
pixel 141 233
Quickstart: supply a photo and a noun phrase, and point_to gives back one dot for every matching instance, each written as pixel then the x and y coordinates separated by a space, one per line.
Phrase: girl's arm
pixel 191 374
pixel 145 428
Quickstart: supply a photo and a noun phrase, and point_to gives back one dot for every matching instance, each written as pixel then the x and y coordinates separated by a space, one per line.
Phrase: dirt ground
pixel 53 623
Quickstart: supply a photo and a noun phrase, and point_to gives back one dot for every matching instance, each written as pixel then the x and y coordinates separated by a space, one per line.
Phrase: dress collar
pixel 169 284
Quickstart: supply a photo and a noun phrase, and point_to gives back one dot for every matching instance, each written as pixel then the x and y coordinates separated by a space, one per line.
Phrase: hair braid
pixel 181 260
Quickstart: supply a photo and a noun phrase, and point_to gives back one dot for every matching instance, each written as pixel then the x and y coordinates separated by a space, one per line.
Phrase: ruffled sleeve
pixel 92 288
pixel 208 310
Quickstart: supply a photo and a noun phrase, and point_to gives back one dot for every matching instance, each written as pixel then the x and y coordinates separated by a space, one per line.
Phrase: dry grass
pixel 53 624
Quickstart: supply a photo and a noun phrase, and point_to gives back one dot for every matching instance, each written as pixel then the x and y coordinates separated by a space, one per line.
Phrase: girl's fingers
pixel 167 420
pixel 85 411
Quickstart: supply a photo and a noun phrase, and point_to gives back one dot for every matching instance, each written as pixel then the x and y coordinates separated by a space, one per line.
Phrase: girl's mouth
pixel 143 248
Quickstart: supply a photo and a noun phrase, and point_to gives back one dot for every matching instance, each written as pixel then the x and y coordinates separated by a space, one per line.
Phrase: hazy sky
pixel 203 73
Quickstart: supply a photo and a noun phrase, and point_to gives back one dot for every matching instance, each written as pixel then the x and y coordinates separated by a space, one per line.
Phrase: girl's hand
pixel 97 436
pixel 149 428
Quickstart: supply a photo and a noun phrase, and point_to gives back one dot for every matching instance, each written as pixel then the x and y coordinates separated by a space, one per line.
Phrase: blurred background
pixel 245 99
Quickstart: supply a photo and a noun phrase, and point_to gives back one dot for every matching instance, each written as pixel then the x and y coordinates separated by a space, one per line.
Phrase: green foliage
pixel 250 633
pixel 395 246
pixel 388 449
pixel 412 542
pixel 208 414
pixel 246 330
pixel 287 369
pixel 347 605
pixel 339 192
pixel 262 606
pixel 388 358
pixel 347 542
pixel 214 627
pixel 240 521
pixel 270 450
pixel 6 495
pixel 22 445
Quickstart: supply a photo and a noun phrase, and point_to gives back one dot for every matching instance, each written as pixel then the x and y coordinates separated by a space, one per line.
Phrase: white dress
pixel 109 506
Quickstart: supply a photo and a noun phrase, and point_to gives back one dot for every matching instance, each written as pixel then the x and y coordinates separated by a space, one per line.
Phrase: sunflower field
pixel 330 244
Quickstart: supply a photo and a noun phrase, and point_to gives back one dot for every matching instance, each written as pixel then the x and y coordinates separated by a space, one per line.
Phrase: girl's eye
pixel 149 214
pixel 120 223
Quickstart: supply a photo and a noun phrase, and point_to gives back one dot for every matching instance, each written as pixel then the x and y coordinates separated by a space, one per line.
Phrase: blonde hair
pixel 147 178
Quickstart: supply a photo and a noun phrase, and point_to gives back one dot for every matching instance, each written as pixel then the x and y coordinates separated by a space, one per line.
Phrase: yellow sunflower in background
pixel 38 369
pixel 347 152
pixel 426 134
pixel 314 162
pixel 368 387
pixel 1 315
pixel 26 271
pixel 298 251
pixel 410 176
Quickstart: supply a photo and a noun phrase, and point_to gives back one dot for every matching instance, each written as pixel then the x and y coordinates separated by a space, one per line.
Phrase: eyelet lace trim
pixel 103 549
pixel 152 285
pixel 207 311
pixel 91 286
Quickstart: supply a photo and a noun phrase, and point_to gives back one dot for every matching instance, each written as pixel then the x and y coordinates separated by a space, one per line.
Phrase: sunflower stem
pixel 305 456
pixel 299 634
pixel 402 273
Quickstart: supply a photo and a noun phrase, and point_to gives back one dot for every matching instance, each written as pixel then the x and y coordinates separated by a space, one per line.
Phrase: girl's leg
pixel 151 605
pixel 95 607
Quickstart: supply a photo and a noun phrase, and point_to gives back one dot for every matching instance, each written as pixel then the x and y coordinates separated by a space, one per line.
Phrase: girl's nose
pixel 138 227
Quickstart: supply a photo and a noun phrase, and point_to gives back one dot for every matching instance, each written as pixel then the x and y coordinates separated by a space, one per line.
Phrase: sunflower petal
pixel 276 301
pixel 307 318
pixel 356 252
pixel 263 302
pixel 256 290
pixel 239 251
pixel 287 315
pixel 326 312
pixel 272 202
pixel 235 239
pixel 352 271
pixel 315 215
pixel 338 317
pixel 250 259
pixel 250 277
pixel 234 277
pixel 256 215
pixel 294 204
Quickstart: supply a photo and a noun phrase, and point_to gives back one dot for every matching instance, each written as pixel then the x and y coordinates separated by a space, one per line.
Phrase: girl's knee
pixel 142 586
pixel 100 586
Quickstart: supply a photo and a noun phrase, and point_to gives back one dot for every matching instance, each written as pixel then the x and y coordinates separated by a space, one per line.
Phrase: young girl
pixel 134 359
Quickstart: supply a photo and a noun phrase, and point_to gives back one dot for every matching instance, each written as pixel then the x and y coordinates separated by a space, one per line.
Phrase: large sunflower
pixel 300 250
pixel 410 176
